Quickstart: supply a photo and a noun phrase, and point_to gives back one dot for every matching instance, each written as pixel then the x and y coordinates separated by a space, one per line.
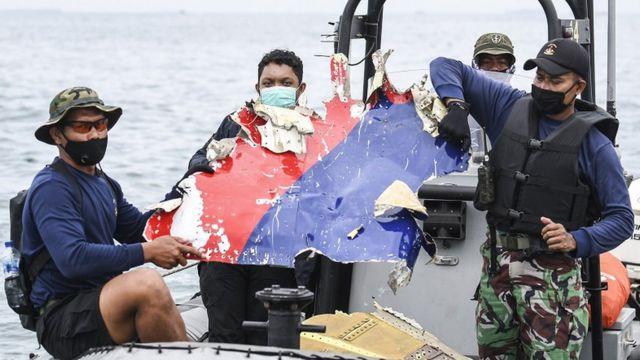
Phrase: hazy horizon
pixel 294 6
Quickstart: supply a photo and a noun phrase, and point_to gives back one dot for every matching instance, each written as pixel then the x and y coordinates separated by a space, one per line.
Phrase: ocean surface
pixel 177 75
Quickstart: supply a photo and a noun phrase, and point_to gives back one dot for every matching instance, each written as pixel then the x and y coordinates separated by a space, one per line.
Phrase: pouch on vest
pixel 485 191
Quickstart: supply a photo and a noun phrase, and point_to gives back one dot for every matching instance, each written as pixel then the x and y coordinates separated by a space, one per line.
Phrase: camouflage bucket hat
pixel 493 44
pixel 73 98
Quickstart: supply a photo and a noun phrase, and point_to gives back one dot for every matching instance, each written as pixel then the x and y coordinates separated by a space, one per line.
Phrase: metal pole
pixel 344 29
pixel 611 58
pixel 553 24
pixel 595 286
pixel 590 92
pixel 374 14
pixel 595 283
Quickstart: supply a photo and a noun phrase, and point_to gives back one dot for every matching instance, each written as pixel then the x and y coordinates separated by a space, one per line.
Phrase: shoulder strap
pixel 522 118
pixel 43 256
pixel 37 264
pixel 116 195
pixel 59 166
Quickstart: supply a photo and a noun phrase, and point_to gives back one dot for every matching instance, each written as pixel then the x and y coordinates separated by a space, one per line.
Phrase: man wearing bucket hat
pixel 558 194
pixel 72 214
pixel 494 52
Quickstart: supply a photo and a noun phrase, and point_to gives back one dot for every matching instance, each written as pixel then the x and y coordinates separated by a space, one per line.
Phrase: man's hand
pixel 454 127
pixel 168 251
pixel 556 236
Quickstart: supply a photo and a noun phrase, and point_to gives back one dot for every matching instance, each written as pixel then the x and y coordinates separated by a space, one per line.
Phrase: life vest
pixel 535 178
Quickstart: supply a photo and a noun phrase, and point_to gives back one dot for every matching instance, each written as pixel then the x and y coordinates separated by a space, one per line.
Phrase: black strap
pixel 530 218
pixel 109 181
pixel 38 264
pixel 541 145
pixel 493 250
pixel 542 182
pixel 59 166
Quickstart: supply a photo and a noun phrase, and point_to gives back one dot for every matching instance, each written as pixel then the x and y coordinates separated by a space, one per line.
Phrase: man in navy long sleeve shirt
pixel 532 303
pixel 73 212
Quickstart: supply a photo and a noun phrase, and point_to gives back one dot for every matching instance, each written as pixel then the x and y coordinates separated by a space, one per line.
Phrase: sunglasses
pixel 83 127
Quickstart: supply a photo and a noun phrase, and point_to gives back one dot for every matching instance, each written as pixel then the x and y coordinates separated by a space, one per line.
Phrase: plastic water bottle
pixel 10 260
pixel 16 298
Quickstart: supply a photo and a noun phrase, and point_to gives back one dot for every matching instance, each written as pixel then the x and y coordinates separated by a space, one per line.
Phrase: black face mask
pixel 86 153
pixel 549 102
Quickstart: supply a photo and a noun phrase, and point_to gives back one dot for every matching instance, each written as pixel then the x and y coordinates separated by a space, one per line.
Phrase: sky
pixel 296 6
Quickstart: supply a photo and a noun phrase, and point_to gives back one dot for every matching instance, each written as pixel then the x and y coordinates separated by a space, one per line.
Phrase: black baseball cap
pixel 560 56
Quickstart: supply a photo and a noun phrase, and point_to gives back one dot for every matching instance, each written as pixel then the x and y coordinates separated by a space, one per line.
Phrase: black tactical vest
pixel 535 178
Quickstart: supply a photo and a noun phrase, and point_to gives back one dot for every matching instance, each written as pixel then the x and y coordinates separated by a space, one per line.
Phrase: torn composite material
pixel 261 207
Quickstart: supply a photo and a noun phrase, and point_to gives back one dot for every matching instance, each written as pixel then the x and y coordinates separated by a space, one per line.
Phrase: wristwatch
pixel 459 104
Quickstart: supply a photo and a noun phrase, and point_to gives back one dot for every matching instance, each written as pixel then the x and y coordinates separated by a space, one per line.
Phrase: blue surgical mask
pixel 280 96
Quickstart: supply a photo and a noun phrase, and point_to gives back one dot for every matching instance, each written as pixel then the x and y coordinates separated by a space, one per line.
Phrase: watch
pixel 459 104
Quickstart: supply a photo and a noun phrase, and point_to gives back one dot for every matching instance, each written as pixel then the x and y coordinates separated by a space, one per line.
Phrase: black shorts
pixel 73 326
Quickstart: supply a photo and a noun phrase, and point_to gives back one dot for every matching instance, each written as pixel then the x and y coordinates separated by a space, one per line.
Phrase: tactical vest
pixel 535 178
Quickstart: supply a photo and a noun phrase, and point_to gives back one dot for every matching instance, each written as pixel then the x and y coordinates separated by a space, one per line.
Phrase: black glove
pixel 454 127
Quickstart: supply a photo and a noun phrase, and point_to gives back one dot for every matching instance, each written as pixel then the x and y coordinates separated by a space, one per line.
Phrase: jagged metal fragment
pixel 396 197
pixel 250 211
pixel 340 76
pixel 379 59
pixel 220 149
pixel 428 106
pixel 166 206
pixel 432 344
pixel 385 334
pixel 285 129
pixel 399 276
pixel 355 232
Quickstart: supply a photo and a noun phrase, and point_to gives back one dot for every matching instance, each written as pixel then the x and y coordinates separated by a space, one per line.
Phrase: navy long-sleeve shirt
pixel 83 253
pixel 491 102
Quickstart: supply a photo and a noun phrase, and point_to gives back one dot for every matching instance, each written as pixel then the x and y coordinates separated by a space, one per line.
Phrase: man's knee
pixel 150 286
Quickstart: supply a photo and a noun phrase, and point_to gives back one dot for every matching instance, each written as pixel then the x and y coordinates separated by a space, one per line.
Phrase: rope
pixel 174 271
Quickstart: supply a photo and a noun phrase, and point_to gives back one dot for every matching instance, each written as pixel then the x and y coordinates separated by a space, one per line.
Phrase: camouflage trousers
pixel 533 307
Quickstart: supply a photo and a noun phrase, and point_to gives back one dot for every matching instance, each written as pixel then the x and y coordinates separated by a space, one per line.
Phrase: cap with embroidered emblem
pixel 560 56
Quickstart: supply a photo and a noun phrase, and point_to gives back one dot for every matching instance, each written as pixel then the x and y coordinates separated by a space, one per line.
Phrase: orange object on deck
pixel 619 288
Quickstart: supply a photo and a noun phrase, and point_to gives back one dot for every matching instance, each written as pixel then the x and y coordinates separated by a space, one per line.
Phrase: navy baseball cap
pixel 560 56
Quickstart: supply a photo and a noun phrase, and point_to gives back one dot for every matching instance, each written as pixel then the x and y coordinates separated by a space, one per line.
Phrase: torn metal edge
pixel 413 328
pixel 340 76
pixel 166 206
pixel 379 59
pixel 428 106
pixel 398 195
